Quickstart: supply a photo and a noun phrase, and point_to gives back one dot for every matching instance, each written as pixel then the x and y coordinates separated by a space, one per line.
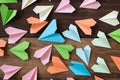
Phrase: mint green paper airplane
pixel 19 50
pixel 64 50
pixel 6 14
pixel 8 1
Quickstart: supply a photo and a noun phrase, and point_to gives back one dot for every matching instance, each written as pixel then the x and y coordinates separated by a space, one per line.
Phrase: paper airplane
pixel 79 69
pixel 65 7
pixel 57 67
pixel 90 4
pixel 111 18
pixel 64 50
pixel 44 54
pixel 14 34
pixel 19 50
pixel 50 35
pixel 7 14
pixel 37 25
pixel 98 78
pixel 115 35
pixel 43 11
pixel 85 25
pixel 72 33
pixel 26 3
pixel 9 71
pixel 101 41
pixel 8 1
pixel 2 45
pixel 84 53
pixel 116 61
pixel 32 75
pixel 70 78
pixel 100 67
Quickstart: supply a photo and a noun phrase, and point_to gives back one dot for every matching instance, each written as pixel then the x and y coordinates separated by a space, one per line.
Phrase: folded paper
pixel 31 75
pixel 90 4
pixel 50 35
pixel 64 50
pixel 19 50
pixel 101 41
pixel 101 66
pixel 84 53
pixel 72 33
pixel 8 1
pixel 14 34
pixel 65 7
pixel 116 61
pixel 2 45
pixel 26 3
pixel 37 25
pixel 98 78
pixel 7 14
pixel 70 78
pixel 79 69
pixel 85 25
pixel 9 70
pixel 57 67
pixel 111 18
pixel 43 11
pixel 115 35
pixel 44 54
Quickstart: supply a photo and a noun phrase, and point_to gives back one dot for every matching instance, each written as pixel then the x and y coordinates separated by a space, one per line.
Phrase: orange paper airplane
pixel 98 78
pixel 2 44
pixel 85 25
pixel 116 61
pixel 57 67
pixel 36 24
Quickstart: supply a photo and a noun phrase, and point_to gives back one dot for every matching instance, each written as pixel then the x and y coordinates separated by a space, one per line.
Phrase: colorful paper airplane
pixel 64 50
pixel 116 61
pixel 111 18
pixel 98 78
pixel 32 75
pixel 43 11
pixel 37 25
pixel 115 35
pixel 84 53
pixel 19 50
pixel 14 34
pixel 101 66
pixel 2 45
pixel 101 41
pixel 7 14
pixel 9 70
pixel 90 4
pixel 57 67
pixel 79 69
pixel 70 78
pixel 50 35
pixel 72 33
pixel 85 25
pixel 26 3
pixel 44 54
pixel 65 7
pixel 8 1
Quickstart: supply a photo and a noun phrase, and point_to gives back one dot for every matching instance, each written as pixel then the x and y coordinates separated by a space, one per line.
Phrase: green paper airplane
pixel 19 50
pixel 8 1
pixel 64 50
pixel 6 14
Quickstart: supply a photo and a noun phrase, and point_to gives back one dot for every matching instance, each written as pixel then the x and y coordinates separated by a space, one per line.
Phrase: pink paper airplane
pixel 44 54
pixel 65 7
pixel 32 75
pixel 9 70
pixel 90 4
pixel 14 34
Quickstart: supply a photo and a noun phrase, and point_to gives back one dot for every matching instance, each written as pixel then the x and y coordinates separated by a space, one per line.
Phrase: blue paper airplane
pixel 50 35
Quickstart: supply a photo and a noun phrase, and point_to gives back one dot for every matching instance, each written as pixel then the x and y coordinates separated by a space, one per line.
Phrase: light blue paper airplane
pixel 50 35
pixel 84 53
pixel 72 33
pixel 78 68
